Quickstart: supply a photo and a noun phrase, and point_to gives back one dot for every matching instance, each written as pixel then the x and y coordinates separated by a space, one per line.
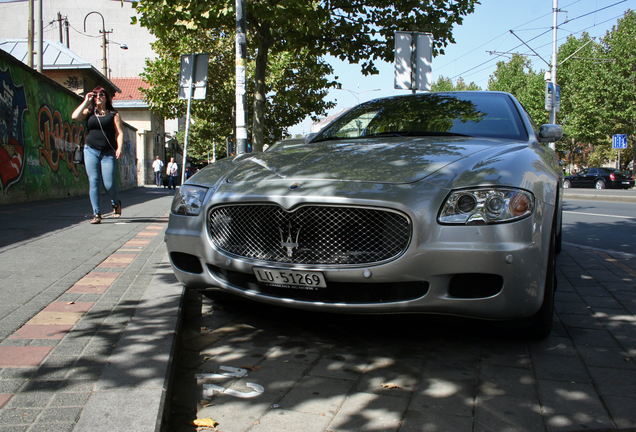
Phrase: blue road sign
pixel 619 141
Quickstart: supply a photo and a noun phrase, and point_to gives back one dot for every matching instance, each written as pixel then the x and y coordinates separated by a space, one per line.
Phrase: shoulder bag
pixel 78 154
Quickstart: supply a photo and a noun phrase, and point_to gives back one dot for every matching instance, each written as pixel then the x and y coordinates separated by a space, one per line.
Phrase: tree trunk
pixel 260 88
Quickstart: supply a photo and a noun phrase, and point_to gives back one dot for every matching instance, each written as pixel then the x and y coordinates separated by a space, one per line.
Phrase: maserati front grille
pixel 310 234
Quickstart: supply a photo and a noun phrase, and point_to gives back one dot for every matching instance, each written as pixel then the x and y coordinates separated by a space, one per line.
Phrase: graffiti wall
pixel 37 138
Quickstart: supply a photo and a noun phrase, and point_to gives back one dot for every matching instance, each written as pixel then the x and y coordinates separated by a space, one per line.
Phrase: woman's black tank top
pixel 95 138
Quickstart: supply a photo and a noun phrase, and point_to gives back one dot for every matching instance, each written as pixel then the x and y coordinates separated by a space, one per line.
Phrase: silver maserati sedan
pixel 439 203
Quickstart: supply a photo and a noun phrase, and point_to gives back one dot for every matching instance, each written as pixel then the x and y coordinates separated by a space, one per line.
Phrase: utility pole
pixel 30 39
pixel 40 40
pixel 68 41
pixel 241 92
pixel 555 10
pixel 104 53
pixel 59 22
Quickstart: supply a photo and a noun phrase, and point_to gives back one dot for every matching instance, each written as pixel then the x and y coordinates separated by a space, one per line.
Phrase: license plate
pixel 290 278
pixel 626 183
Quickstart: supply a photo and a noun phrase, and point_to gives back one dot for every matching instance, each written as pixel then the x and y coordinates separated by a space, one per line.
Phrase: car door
pixel 592 175
pixel 578 180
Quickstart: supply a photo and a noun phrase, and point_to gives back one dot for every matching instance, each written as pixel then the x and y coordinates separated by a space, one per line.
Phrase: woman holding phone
pixel 103 146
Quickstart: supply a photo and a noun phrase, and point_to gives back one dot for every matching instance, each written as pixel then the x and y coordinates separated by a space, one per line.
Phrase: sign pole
pixel 241 87
pixel 187 125
pixel 193 80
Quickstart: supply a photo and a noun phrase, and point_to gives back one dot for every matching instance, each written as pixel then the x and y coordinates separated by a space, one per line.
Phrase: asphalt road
pixel 604 225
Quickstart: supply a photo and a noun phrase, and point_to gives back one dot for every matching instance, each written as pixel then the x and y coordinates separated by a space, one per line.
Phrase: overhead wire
pixel 488 62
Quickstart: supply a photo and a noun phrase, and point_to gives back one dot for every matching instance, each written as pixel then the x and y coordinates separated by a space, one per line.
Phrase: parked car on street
pixel 443 203
pixel 599 178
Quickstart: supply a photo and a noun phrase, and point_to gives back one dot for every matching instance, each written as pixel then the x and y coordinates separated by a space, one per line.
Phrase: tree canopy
pixel 297 84
pixel 446 84
pixel 598 92
pixel 357 31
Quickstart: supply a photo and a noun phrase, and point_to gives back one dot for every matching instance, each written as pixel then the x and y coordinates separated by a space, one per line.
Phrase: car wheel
pixel 539 326
pixel 567 184
pixel 600 184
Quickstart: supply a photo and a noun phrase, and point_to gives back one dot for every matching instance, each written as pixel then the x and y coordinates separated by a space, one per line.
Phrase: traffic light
pixel 230 146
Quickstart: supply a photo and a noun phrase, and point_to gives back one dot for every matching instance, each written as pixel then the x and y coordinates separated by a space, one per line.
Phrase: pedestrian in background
pixel 172 173
pixel 157 165
pixel 104 143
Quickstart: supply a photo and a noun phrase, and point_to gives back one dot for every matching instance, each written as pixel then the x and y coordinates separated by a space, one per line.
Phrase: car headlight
pixel 189 200
pixel 484 206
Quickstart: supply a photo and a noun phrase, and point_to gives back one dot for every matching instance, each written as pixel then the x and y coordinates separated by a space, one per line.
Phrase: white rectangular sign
pixel 193 67
pixel 413 60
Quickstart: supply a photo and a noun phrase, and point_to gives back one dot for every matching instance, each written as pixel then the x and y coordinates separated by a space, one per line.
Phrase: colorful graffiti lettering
pixel 59 139
pixel 12 108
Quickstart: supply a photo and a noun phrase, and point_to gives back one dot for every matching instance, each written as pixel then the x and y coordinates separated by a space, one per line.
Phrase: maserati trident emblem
pixel 289 244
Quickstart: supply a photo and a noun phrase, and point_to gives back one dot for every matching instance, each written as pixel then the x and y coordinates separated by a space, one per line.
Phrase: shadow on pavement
pixel 30 220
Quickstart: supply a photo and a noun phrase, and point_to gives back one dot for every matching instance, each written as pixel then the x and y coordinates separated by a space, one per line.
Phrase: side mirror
pixel 550 133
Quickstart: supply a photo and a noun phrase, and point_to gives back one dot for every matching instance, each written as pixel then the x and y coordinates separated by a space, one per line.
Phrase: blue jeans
pixel 158 178
pixel 101 167
pixel 172 182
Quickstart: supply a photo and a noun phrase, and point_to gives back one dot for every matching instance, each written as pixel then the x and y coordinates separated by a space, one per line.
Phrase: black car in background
pixel 599 178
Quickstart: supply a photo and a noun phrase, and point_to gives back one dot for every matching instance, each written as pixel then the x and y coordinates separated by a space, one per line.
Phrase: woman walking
pixel 103 146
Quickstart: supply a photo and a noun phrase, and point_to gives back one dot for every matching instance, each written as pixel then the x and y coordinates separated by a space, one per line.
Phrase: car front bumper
pixel 487 271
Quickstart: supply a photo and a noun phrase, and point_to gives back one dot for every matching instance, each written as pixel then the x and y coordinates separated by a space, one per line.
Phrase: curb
pixel 131 393
pixel 599 197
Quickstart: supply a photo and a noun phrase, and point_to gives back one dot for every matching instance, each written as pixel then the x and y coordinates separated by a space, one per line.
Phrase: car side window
pixel 593 171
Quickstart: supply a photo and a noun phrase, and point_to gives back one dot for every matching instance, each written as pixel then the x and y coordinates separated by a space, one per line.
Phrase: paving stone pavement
pixel 90 315
pixel 320 372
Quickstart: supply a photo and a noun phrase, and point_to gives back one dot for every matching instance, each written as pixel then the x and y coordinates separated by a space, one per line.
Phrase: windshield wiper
pixel 331 138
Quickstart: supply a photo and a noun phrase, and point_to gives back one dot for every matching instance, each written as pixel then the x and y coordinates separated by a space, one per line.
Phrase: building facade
pixel 76 33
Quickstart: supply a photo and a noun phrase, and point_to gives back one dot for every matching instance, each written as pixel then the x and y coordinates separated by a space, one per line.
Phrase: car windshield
pixel 475 114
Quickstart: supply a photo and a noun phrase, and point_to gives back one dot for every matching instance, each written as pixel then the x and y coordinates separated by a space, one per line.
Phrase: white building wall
pixel 121 63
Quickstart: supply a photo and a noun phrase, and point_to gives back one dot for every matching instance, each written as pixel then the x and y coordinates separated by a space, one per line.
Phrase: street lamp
pixel 358 94
pixel 104 42
pixel 103 32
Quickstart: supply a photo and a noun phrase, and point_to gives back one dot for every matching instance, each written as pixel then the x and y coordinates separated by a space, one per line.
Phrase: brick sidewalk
pixel 56 346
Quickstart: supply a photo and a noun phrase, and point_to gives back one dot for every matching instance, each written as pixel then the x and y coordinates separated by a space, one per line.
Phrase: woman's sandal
pixel 117 210
pixel 97 219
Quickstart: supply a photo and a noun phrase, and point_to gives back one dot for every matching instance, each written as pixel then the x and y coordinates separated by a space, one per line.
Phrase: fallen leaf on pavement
pixel 205 422
pixel 252 368
pixel 391 386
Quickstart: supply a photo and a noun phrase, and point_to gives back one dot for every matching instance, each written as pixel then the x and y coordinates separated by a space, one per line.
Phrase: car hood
pixel 393 160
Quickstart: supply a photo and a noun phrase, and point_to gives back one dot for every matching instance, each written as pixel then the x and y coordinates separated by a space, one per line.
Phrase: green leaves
pixel 360 31
pixel 446 84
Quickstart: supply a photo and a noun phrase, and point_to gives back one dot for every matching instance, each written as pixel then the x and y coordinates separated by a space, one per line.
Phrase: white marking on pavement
pixel 209 389
pixel 601 215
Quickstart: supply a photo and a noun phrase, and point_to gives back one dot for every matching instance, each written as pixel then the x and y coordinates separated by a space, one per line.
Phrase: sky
pixel 481 41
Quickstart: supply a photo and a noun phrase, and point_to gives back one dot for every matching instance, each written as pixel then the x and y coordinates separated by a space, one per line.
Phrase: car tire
pixel 567 184
pixel 558 246
pixel 539 325
pixel 600 184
